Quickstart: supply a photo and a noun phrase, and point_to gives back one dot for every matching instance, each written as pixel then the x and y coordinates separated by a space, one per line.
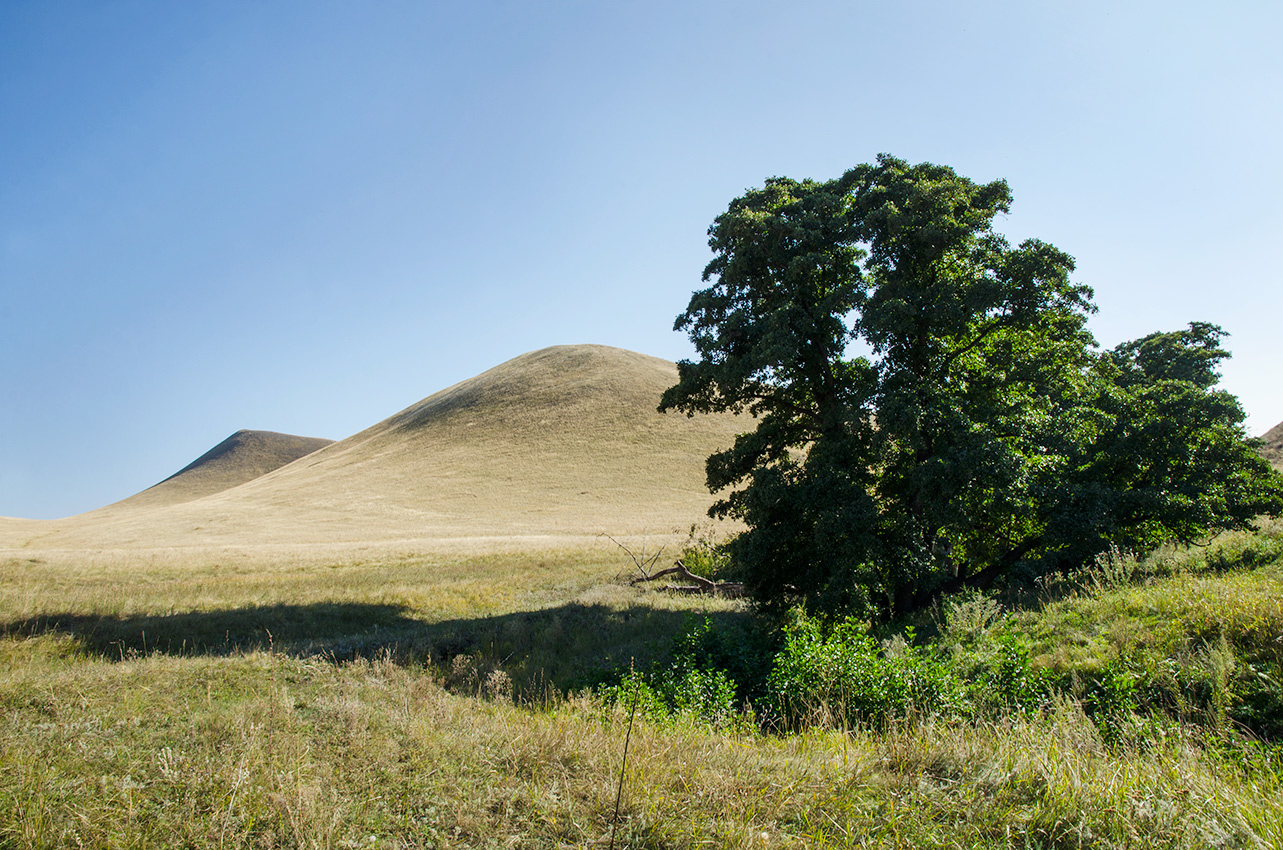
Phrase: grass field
pixel 420 701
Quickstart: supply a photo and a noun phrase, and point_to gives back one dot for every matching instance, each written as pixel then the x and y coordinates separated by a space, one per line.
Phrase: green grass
pixel 265 750
pixel 1200 630
pixel 371 704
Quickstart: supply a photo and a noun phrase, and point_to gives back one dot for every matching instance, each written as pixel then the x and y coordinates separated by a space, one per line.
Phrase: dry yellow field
pixel 484 516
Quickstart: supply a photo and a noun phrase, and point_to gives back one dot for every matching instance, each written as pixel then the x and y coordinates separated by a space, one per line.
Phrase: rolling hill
pixel 561 442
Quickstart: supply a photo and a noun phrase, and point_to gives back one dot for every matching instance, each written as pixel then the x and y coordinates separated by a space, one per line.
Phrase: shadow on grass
pixel 561 647
pixel 295 629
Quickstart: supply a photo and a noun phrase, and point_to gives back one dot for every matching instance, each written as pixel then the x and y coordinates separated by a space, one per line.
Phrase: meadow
pixel 412 700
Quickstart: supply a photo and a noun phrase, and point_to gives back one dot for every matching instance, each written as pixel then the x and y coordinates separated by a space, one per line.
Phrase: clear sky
pixel 305 216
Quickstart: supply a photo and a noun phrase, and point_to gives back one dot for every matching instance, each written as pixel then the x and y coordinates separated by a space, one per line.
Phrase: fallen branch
pixel 702 585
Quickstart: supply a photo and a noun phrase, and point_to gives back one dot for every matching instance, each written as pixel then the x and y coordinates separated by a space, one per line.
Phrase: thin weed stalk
pixel 623 764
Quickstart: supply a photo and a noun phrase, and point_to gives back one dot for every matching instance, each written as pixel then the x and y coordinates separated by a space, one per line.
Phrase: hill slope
pixel 562 441
pixel 1273 445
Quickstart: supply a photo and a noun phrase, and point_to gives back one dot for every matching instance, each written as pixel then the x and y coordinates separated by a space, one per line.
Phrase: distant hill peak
pixel 247 451
pixel 243 456
pixel 560 380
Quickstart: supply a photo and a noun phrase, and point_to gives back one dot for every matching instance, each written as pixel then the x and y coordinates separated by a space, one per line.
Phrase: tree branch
pixel 956 353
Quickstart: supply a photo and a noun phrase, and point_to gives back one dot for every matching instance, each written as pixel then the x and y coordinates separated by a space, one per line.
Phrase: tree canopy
pixel 931 410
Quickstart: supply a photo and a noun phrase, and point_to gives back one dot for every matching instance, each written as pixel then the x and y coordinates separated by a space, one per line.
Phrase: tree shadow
pixel 316 629
pixel 562 647
pixel 565 647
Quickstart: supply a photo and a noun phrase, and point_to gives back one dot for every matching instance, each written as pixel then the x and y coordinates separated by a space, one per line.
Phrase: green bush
pixel 1258 703
pixel 705 556
pixel 681 691
pixel 1012 684
pixel 692 685
pixel 842 676
pixel 1113 699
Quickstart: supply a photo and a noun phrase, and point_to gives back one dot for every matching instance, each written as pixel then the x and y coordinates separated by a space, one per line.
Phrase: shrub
pixel 704 555
pixel 692 685
pixel 1012 684
pixel 1259 700
pixel 1112 700
pixel 1113 568
pixel 968 617
pixel 841 676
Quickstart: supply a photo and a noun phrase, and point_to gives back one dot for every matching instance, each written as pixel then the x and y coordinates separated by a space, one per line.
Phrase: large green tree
pixel 931 410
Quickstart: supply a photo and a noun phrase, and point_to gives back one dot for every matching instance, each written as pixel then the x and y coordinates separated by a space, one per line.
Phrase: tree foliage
pixel 931 410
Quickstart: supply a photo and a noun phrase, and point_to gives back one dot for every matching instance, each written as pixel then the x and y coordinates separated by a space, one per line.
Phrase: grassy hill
pixel 556 444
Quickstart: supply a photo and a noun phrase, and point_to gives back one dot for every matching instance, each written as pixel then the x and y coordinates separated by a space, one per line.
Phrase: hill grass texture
pixel 242 457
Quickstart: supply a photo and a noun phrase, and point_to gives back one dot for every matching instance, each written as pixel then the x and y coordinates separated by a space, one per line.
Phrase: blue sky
pixel 305 216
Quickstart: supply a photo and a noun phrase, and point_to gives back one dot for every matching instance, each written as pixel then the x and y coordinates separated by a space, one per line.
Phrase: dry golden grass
pixel 548 615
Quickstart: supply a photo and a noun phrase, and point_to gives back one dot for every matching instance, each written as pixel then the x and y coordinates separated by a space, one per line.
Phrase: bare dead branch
pixel 704 586
pixel 641 561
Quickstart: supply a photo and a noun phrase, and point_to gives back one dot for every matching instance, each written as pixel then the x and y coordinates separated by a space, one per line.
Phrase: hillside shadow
pixel 562 647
